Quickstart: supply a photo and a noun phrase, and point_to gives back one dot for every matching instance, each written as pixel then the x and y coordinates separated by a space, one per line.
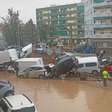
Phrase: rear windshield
pixel 90 64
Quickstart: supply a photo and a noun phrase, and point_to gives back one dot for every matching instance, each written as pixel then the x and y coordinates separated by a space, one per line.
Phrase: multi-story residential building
pixel 98 23
pixel 88 15
pixel 98 18
pixel 102 18
pixel 80 22
pixel 63 20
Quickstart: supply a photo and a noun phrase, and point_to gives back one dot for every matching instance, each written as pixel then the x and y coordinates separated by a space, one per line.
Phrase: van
pixel 25 63
pixel 88 65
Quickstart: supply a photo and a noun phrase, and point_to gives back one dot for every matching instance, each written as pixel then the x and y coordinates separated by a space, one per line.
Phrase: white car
pixel 88 65
pixel 17 103
pixel 34 71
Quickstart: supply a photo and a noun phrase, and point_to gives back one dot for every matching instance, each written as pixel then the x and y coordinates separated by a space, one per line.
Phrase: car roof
pixel 18 101
pixel 87 59
pixel 36 66
pixel 29 59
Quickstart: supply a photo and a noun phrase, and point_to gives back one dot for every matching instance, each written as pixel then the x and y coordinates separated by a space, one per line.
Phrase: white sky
pixel 27 8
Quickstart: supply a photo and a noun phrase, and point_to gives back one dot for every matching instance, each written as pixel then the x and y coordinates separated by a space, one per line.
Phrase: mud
pixel 64 95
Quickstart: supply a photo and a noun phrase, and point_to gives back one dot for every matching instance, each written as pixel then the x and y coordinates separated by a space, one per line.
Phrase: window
pixel 36 68
pixel 91 64
pixel 26 109
pixel 81 65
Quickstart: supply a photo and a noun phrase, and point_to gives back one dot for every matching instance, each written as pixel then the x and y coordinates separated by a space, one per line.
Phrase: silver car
pixel 17 103
pixel 6 88
pixel 33 72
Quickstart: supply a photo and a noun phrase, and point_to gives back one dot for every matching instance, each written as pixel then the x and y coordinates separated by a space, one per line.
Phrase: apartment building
pixel 98 23
pixel 103 18
pixel 61 21
pixel 98 18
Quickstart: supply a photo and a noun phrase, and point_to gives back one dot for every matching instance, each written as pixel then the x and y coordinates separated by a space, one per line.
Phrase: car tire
pixel 21 76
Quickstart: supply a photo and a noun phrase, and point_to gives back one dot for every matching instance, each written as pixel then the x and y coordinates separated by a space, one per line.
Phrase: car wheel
pixel 21 76
pixel 26 76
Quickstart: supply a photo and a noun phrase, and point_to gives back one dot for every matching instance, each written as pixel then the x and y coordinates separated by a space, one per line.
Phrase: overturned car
pixel 63 66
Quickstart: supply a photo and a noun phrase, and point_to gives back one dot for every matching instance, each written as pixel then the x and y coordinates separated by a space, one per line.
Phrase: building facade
pixel 98 18
pixel 103 18
pixel 61 21
pixel 98 23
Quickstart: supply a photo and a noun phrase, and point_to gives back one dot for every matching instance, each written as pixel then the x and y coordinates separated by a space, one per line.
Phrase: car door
pixel 91 67
pixel 39 71
pixel 81 68
pixel 31 72
pixel 34 72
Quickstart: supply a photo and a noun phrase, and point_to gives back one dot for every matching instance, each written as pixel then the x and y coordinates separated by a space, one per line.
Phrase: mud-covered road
pixel 64 95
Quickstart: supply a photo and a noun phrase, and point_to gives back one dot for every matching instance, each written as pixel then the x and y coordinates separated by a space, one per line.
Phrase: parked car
pixel 6 88
pixel 41 48
pixel 25 63
pixel 17 103
pixel 88 65
pixel 34 71
pixel 2 67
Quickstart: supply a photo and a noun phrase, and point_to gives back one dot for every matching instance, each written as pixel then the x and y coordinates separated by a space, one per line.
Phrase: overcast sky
pixel 27 8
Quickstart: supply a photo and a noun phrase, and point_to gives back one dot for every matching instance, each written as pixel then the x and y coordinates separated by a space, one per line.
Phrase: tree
pixel 43 32
pixel 11 27
pixel 29 32
pixel 16 32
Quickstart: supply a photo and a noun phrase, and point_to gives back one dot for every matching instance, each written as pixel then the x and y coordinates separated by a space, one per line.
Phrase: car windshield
pixel 27 109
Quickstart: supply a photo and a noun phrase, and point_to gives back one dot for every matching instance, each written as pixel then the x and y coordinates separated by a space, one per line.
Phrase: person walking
pixel 99 80
pixel 105 76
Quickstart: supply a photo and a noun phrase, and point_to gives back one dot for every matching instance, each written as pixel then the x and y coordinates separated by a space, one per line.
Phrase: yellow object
pixel 105 74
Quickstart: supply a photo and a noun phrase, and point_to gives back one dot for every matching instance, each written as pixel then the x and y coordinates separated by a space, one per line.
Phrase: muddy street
pixel 63 95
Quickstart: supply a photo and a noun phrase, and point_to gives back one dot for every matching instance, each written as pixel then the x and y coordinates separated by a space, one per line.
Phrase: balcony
pixel 101 26
pixel 103 15
pixel 109 35
pixel 106 3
